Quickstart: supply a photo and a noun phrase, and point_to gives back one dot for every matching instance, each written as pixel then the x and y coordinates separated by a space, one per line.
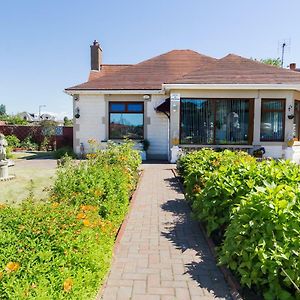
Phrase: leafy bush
pixel 61 249
pixel 262 241
pixel 106 179
pixel 29 144
pixel 256 206
pixel 53 251
pixel 61 152
pixel 12 141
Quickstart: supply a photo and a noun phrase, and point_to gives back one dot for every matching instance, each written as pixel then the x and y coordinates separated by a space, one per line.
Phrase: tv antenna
pixel 284 46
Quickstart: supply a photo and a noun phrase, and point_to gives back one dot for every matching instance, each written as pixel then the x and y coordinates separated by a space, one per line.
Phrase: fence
pixel 63 134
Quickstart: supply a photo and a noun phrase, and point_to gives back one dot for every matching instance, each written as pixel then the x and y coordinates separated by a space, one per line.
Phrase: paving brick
pixel 162 254
pixel 139 287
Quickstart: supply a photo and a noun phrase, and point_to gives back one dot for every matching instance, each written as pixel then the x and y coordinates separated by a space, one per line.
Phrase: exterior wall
pixel 274 149
pixel 90 123
pixel 93 122
pixel 157 130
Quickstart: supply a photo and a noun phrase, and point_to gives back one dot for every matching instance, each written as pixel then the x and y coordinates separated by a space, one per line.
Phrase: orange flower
pixel 80 216
pixel 12 267
pixel 1 275
pixel 86 222
pixel 2 206
pixel 68 283
pixel 88 207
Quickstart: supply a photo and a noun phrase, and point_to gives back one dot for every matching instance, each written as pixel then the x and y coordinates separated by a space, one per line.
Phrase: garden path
pixel 162 253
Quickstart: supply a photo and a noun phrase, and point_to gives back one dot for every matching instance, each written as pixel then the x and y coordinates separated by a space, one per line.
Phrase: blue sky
pixel 44 45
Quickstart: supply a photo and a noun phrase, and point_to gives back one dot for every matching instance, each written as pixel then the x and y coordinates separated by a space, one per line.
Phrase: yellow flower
pixel 2 206
pixel 12 267
pixel 80 216
pixel 54 204
pixel 1 275
pixel 68 283
pixel 86 222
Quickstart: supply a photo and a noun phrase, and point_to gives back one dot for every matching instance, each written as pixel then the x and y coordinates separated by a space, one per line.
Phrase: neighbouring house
pixel 35 118
pixel 27 116
pixel 183 99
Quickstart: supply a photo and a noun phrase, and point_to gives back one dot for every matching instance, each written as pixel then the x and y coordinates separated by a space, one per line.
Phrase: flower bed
pixel 252 210
pixel 61 249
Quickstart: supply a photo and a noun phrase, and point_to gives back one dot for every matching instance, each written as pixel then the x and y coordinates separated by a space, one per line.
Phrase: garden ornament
pixel 3 145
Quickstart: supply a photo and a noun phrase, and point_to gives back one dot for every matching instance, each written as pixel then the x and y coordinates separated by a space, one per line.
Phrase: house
pixel 27 116
pixel 188 100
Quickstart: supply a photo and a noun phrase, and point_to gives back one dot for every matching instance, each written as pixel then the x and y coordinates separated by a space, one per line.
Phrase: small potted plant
pixel 258 153
pixel 146 145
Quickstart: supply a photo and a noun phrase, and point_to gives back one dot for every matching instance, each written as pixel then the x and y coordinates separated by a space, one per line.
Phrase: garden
pixel 60 247
pixel 251 210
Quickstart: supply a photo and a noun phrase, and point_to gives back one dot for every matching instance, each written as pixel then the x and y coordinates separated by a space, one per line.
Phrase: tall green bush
pixel 255 205
pixel 262 242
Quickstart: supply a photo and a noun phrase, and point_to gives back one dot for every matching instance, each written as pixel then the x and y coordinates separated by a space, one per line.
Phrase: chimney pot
pixel 96 56
pixel 293 66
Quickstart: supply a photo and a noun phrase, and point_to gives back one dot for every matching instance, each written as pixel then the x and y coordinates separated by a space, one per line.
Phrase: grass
pixel 33 177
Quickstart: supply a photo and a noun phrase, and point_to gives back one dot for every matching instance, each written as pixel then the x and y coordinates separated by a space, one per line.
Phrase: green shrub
pixel 62 248
pixel 256 206
pixel 262 241
pixel 12 141
pixel 29 144
pixel 61 152
pixel 51 251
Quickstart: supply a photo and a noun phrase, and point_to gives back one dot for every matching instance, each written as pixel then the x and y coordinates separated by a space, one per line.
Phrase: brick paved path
pixel 163 254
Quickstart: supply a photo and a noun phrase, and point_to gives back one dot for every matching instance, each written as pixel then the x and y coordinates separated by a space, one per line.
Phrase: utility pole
pixel 40 106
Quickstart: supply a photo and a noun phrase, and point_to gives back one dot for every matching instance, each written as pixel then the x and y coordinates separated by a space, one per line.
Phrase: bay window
pixel 216 121
pixel 126 120
pixel 272 120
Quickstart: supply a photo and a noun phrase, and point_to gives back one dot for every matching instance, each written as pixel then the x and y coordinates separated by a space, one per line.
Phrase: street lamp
pixel 40 106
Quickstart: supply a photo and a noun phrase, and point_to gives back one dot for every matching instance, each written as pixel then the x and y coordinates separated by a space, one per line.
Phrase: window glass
pixel 197 125
pixel 232 121
pixel 272 104
pixel 126 126
pixel 272 120
pixel 119 107
pixel 135 107
pixel 214 121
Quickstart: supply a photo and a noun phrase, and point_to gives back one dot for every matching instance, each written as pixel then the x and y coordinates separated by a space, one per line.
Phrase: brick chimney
pixel 96 56
pixel 293 66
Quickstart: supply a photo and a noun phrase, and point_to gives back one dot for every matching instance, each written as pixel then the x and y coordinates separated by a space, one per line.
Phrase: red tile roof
pixel 234 69
pixel 186 66
pixel 106 69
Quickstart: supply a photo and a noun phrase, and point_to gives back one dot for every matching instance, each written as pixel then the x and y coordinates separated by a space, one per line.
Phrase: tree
pixel 272 61
pixel 67 121
pixel 2 110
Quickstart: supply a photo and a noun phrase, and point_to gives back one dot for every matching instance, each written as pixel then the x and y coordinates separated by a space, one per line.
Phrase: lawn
pixel 34 174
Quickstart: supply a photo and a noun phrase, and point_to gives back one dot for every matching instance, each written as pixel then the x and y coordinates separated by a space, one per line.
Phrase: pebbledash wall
pixel 162 135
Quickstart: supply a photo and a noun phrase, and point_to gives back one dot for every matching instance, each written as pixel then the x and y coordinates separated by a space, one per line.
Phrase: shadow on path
pixel 185 235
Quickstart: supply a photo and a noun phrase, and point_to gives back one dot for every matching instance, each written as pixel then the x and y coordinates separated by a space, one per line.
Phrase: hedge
pixel 61 248
pixel 255 208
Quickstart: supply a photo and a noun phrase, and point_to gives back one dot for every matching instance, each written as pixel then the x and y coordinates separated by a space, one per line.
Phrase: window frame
pixel 295 113
pixel 125 112
pixel 264 110
pixel 214 112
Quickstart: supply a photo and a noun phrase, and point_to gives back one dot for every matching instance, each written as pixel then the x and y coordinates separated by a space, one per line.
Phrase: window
pixel 272 120
pixel 297 120
pixel 126 120
pixel 216 121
